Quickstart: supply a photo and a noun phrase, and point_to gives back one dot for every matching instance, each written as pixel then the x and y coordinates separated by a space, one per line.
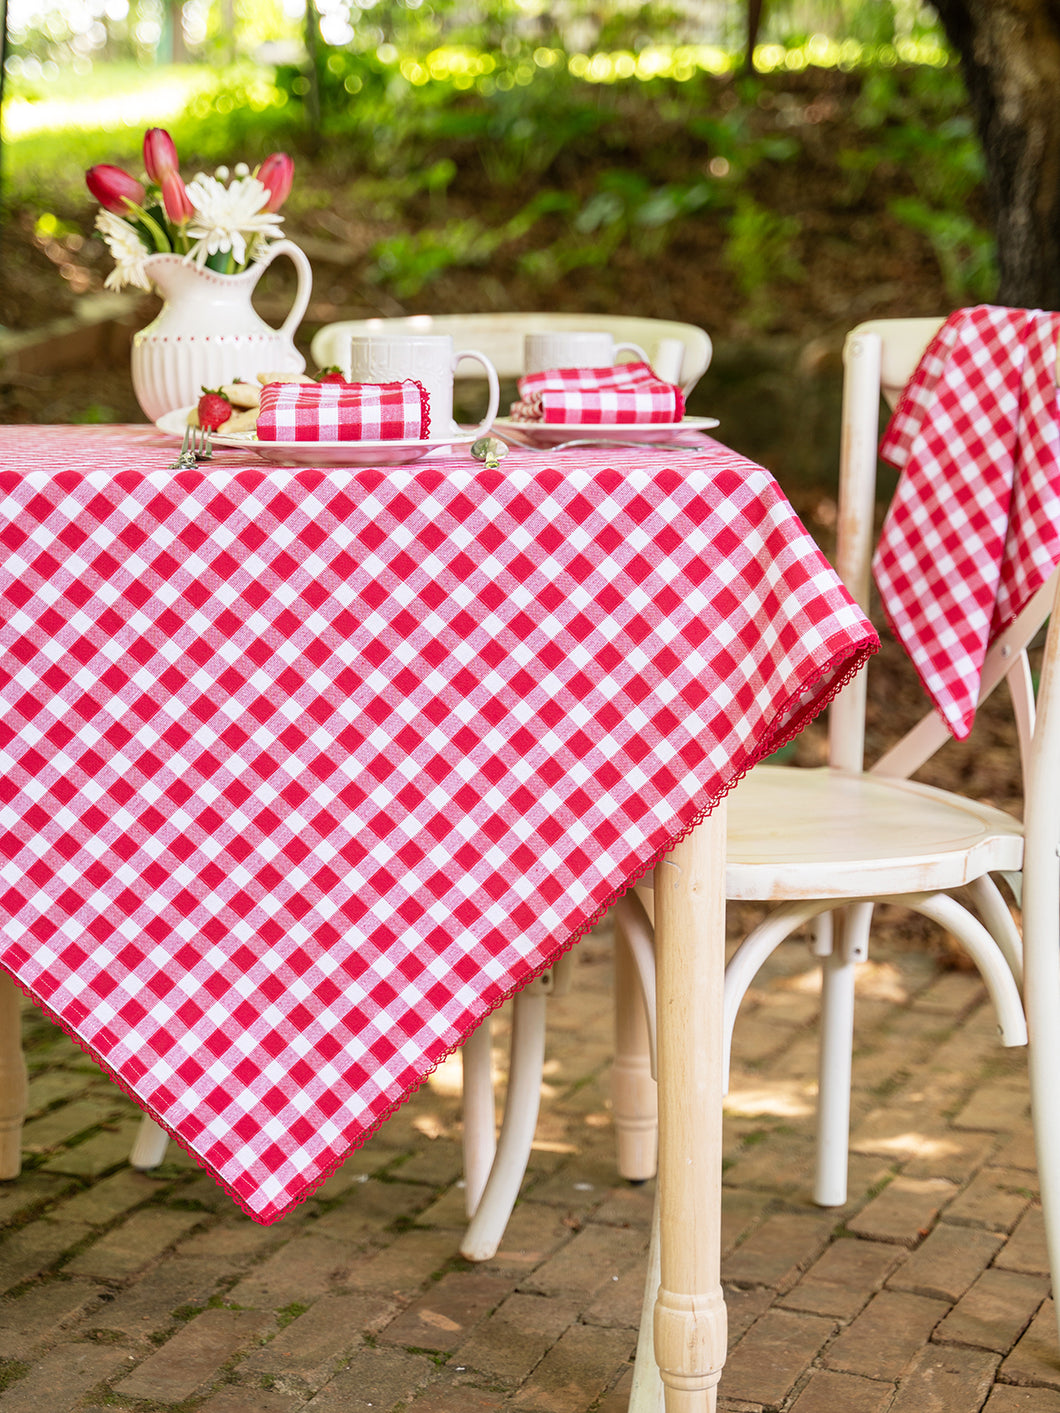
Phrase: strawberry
pixel 330 375
pixel 214 409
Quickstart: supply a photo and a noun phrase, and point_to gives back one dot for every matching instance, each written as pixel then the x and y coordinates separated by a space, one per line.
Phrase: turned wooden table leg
pixel 12 1079
pixel 689 1333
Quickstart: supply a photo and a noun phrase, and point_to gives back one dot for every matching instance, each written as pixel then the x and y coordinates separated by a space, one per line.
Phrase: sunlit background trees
pixel 46 35
pixel 558 153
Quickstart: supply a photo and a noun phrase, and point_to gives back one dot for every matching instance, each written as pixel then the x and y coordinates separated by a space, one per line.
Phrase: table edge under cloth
pixel 802 703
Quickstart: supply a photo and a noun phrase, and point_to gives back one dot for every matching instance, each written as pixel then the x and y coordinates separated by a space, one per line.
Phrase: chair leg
pixel 13 1091
pixel 150 1145
pixel 480 1131
pixel 634 1094
pixel 647 1394
pixel 1042 1060
pixel 850 934
pixel 486 1228
pixel 1041 996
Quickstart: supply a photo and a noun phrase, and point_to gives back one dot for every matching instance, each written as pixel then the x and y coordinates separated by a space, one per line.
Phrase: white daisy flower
pixel 228 217
pixel 128 250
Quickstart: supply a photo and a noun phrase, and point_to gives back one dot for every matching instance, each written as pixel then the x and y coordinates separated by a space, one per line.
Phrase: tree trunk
pixel 1010 58
pixel 754 22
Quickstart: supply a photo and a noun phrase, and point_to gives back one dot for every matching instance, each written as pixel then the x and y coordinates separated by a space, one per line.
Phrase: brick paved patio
pixel 926 1294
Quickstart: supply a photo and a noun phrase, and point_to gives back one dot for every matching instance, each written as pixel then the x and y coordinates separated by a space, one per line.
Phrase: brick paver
pixel 308 1351
pixel 996 1198
pixel 945 1381
pixel 926 1293
pixel 62 1378
pixel 995 1311
pixel 780 1250
pixel 129 1247
pixel 904 1211
pixel 445 1317
pixel 510 1344
pixel 1006 1399
pixel 194 1355
pixel 1034 1360
pixel 583 1362
pixel 374 1379
pixel 946 1263
pixel 1025 1249
pixel 769 1359
pixel 828 1392
pixel 844 1278
pixel 886 1336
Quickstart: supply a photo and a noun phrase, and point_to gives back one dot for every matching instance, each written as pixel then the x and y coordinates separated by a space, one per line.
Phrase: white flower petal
pixel 227 217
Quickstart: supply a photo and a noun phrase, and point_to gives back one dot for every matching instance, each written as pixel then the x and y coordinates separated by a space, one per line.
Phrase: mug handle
pixel 305 282
pixel 632 348
pixel 494 386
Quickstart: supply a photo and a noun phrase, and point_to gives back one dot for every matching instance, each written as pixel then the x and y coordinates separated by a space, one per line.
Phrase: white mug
pixel 429 358
pixel 555 348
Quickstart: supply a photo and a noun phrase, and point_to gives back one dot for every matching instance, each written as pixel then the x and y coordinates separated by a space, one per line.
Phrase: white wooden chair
pixel 679 353
pixel 827 843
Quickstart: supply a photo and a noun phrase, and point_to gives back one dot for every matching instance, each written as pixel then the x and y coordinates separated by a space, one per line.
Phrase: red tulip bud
pixel 160 154
pixel 276 174
pixel 113 188
pixel 175 199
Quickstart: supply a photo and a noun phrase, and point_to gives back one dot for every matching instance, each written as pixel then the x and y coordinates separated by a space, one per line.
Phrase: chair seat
pixel 824 833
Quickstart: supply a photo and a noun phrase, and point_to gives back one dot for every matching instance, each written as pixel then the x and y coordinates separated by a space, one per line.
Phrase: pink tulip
pixel 160 154
pixel 276 174
pixel 114 189
pixel 175 199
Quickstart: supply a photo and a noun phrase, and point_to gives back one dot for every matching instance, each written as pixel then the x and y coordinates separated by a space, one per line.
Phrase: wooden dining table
pixel 306 768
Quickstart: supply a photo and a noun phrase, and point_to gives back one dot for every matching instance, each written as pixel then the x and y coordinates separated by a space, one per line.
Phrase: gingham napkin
pixel 343 412
pixel 628 392
pixel 974 527
pixel 303 771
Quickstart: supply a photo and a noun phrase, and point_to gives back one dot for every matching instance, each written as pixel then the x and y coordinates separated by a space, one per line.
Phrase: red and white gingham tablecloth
pixel 973 530
pixel 302 772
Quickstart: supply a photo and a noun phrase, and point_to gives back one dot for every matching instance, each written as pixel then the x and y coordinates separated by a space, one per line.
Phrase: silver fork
pixel 195 447
pixel 186 459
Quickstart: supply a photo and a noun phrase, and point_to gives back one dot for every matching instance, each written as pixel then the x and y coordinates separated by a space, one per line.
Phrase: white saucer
pixel 394 452
pixel 549 433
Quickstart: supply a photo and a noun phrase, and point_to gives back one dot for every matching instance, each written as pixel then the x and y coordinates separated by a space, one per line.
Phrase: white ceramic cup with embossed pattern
pixel 563 348
pixel 432 361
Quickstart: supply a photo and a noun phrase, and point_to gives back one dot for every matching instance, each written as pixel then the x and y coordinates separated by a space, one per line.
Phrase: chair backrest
pixel 679 353
pixel 879 358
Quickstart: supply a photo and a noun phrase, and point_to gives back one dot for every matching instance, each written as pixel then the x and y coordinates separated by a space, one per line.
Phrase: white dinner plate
pixel 368 453
pixel 549 433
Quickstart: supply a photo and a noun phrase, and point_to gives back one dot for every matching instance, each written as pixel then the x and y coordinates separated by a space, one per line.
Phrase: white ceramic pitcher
pixel 208 332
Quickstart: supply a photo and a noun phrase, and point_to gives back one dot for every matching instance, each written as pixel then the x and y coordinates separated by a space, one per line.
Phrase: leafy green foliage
pixel 759 252
pixel 470 135
pixel 916 125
